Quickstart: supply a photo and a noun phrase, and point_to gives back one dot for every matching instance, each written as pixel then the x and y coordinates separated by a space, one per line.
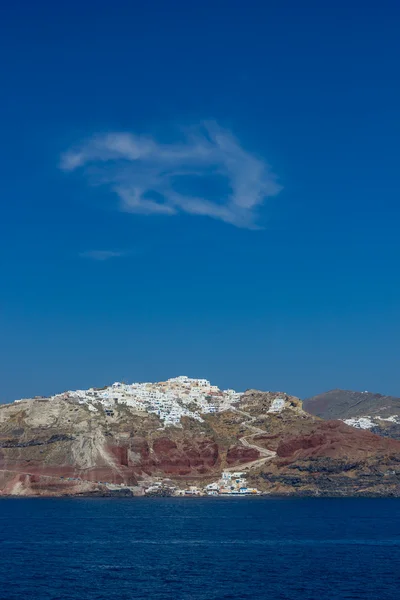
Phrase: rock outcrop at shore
pixel 334 459
pixel 61 447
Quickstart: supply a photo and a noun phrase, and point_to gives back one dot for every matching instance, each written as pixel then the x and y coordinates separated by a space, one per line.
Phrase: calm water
pixel 199 549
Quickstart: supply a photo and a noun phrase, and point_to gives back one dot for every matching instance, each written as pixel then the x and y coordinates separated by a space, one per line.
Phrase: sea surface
pixel 199 549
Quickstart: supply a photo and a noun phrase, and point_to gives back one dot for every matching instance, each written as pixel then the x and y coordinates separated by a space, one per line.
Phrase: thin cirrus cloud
pixel 101 255
pixel 145 174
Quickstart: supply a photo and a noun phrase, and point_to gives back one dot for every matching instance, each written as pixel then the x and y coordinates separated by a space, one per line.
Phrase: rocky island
pixel 187 437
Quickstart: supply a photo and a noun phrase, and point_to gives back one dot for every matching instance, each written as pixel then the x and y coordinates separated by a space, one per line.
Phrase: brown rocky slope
pixel 59 447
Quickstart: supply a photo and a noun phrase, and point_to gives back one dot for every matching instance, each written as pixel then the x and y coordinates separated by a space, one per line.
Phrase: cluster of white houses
pixel 230 484
pixel 369 422
pixel 170 400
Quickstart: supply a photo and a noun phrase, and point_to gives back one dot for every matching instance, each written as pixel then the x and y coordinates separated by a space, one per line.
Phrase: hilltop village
pixel 187 437
pixel 170 400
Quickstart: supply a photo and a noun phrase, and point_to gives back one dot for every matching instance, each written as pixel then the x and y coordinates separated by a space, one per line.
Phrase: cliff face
pixel 61 447
pixel 334 459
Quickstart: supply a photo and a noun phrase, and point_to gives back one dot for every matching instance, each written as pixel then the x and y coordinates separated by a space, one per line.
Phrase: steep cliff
pixel 333 459
pixel 59 446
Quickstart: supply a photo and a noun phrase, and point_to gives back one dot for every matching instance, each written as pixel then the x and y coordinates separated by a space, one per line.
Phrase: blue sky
pixel 209 189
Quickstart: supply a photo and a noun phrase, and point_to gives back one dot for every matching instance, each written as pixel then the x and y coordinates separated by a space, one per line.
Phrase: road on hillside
pixel 268 454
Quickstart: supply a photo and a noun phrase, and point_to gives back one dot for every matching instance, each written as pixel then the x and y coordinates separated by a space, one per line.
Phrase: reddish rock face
pixel 139 451
pixel 39 484
pixel 164 446
pixel 120 453
pixel 335 439
pixel 241 454
pixel 33 466
pixel 186 456
pixel 65 475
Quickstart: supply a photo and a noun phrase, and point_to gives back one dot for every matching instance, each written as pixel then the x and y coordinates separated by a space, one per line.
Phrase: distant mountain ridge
pixel 364 410
pixel 346 404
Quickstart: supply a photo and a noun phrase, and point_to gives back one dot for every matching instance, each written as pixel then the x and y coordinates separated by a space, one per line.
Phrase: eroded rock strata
pixel 58 446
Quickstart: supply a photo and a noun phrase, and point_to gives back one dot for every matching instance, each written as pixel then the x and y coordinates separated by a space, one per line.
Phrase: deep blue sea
pixel 199 549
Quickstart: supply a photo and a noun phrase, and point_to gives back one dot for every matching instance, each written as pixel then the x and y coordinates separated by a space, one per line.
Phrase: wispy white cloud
pixel 101 254
pixel 145 174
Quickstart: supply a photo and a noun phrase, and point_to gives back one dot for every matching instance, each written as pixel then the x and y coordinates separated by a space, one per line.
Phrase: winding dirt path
pixel 268 454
